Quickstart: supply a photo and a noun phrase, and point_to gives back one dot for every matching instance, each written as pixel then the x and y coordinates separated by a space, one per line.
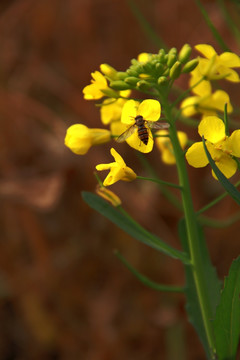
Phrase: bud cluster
pixel 153 70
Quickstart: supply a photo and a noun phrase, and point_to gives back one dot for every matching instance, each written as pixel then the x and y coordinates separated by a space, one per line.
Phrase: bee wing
pixel 157 125
pixel 126 133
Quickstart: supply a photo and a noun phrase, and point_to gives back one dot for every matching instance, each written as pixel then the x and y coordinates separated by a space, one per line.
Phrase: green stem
pixel 192 231
pixel 160 182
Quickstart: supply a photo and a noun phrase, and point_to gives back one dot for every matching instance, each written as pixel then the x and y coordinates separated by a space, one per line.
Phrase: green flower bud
pixel 119 85
pixel 134 62
pixel 132 72
pixel 162 80
pixel 161 55
pixel 159 68
pixel 131 80
pixel 171 60
pixel 110 93
pixel 121 75
pixel 166 72
pixel 175 70
pixel 172 51
pixel 190 66
pixel 184 53
pixel 143 85
pixel 147 67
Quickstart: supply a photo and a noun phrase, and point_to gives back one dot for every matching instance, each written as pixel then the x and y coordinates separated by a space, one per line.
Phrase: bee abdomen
pixel 143 134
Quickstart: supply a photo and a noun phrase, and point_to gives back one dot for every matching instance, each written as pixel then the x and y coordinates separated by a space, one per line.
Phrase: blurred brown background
pixel 63 294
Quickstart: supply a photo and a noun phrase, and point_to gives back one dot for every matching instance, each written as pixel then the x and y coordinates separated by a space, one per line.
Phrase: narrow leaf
pixel 130 226
pixel 227 320
pixel 209 23
pixel 146 281
pixel 213 285
pixel 229 187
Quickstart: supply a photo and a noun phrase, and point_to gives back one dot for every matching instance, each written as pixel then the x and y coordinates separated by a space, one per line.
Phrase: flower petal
pixel 188 105
pixel 219 99
pixel 226 165
pixel 117 157
pixel 196 155
pixel 212 128
pixel 229 59
pixel 233 143
pixel 150 110
pixel 129 112
pixel 206 50
pixel 228 74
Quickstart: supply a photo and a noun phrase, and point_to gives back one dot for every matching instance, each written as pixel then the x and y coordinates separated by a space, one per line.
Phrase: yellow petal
pixel 228 74
pixel 206 50
pixel 196 156
pixel 219 99
pixel 117 157
pixel 233 143
pixel 203 88
pixel 183 138
pixel 150 110
pixel 226 165
pixel 129 112
pixel 229 59
pixel 212 128
pixel 144 57
pixel 188 105
pixel 101 167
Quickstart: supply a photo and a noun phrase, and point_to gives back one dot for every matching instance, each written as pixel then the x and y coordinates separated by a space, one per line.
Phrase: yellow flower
pixel 220 146
pixel 150 110
pixel 214 66
pixel 79 138
pixel 118 170
pixel 108 195
pixel 94 91
pixel 205 102
pixel 144 57
pixel 111 108
pixel 165 146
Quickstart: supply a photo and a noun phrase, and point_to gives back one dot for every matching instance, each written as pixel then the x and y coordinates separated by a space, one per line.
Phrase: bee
pixel 143 130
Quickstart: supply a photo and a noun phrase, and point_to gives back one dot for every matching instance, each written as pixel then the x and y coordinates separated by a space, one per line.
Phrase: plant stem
pixel 192 232
pixel 159 181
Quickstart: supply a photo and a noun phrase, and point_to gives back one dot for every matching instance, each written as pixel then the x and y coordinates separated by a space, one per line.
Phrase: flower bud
pixel 161 55
pixel 159 68
pixel 171 60
pixel 109 71
pixel 184 53
pixel 108 195
pixel 131 80
pixel 143 85
pixel 121 75
pixel 119 85
pixel 132 72
pixel 162 80
pixel 190 66
pixel 175 70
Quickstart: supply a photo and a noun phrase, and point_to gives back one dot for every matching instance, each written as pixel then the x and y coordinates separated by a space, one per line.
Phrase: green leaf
pixel 227 320
pixel 130 226
pixel 229 187
pixel 145 280
pixel 213 285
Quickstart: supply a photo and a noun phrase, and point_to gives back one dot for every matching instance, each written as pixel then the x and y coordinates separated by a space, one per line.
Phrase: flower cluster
pixel 132 120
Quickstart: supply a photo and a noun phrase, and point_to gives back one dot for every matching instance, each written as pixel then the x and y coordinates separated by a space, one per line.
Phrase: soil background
pixel 63 293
